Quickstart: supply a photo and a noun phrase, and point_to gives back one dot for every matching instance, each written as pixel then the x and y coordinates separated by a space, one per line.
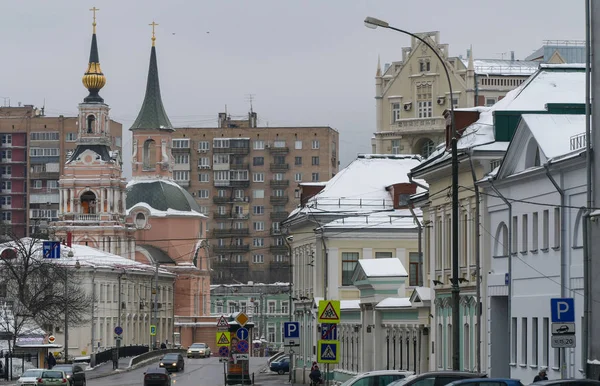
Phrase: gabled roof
pixel 421 294
pixel 102 151
pixel 386 267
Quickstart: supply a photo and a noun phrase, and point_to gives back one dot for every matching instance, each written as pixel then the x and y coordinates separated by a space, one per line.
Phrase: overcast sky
pixel 309 62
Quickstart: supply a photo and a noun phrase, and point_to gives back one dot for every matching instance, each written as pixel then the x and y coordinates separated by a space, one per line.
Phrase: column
pixel 74 209
pixel 114 200
pixel 102 197
pixel 109 200
pixel 61 202
pixel 123 198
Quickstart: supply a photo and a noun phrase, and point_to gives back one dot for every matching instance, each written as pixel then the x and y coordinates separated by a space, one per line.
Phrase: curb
pixel 126 369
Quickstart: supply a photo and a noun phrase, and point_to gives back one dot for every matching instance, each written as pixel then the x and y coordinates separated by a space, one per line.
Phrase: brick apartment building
pixel 33 151
pixel 245 179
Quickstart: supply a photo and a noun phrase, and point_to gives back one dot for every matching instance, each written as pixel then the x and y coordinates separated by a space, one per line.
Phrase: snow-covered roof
pixel 350 305
pixel 553 132
pixel 395 219
pixel 394 303
pixel 424 293
pixel 503 67
pixel 385 267
pixel 163 213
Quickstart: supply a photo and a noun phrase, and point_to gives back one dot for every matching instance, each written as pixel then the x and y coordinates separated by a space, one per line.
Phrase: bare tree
pixel 35 290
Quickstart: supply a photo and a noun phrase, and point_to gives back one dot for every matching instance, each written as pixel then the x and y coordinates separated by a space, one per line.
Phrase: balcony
pixel 231 150
pixel 280 183
pixel 415 125
pixel 279 216
pixel 44 175
pixel 279 150
pixel 221 200
pixel 277 200
pixel 226 265
pixel 239 184
pixel 280 167
pixel 275 232
pixel 243 166
pixel 86 217
pixel 278 249
pixel 224 249
pixel 230 216
pixel 183 183
pixel 231 232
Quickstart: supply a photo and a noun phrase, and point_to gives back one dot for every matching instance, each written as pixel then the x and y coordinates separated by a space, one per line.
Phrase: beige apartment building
pixel 412 94
pixel 33 152
pixel 245 179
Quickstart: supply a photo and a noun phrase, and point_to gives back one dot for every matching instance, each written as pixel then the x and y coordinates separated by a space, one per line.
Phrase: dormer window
pixel 532 157
pixel 425 66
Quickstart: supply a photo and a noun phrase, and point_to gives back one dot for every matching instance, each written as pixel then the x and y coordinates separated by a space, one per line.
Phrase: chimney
pixel 512 56
pixel 308 191
pixel 401 193
pixel 222 119
pixel 252 119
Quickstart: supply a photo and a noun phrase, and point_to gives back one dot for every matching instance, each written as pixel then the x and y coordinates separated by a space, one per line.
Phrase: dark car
pixel 568 382
pixel 75 373
pixel 280 366
pixel 487 382
pixel 157 376
pixel 436 378
pixel 172 362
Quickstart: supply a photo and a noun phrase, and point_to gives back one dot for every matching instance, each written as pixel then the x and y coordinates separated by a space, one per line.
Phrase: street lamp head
pixel 373 23
pixel 77 264
pixel 70 254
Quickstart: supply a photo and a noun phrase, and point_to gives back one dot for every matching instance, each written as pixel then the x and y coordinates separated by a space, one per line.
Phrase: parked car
pixel 156 376
pixel 172 362
pixel 281 366
pixel 377 378
pixel 487 382
pixel 198 350
pixel 52 378
pixel 568 382
pixel 278 355
pixel 75 373
pixel 436 378
pixel 29 377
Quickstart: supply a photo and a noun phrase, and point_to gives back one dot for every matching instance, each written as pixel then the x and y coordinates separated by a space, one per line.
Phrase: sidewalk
pixel 105 369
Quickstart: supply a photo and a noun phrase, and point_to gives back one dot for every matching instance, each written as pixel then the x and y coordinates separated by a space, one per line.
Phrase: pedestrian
pixel 51 360
pixel 163 345
pixel 541 375
pixel 315 375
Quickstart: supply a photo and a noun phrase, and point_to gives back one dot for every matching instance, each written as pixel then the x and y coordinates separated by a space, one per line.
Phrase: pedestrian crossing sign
pixel 329 311
pixel 328 350
pixel 223 338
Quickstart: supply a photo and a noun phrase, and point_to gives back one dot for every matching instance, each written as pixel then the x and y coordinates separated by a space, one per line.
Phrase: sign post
pixel 328 345
pixel 291 333
pixel 562 311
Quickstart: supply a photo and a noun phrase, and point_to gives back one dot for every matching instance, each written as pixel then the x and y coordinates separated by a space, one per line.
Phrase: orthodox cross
pixel 94 11
pixel 153 24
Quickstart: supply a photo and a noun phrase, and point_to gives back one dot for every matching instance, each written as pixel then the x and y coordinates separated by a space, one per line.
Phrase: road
pixel 198 372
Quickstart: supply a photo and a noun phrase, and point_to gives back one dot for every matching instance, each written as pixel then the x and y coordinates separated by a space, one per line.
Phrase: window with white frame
pixel 238 175
pixel 52 184
pixel 490 101
pixel 37 184
pixel 280 258
pixel 204 210
pixel 556 228
pixel 238 258
pixel 259 144
pixel 259 225
pixel 219 308
pixel 258 209
pixel 272 307
pixel 271 332
pixel 243 307
pixel 545 230
pixel 315 177
pixel 181 175
pixel 40 136
pixel 203 162
pixel 258 177
pixel 256 308
pixel 232 307
pixel 534 232
pixel 298 145
pixel 221 177
pixel 298 177
pixel 258 259
pixel 182 158
pixel 203 193
pixel 278 193
pixel 44 152
pixel 279 143
pixel 278 177
pixel 258 193
pixel 395 146
pixel 203 177
pixel 349 262
pixel 6 216
pixel 6 154
pixel 424 103
pixel 276 227
pixel 285 307
pixel 7 170
pixel 203 145
pixel 396 112
pixel 524 233
pixel 220 159
pixel 316 144
pixel 7 200
pixel 219 143
pixel 181 143
pixel 258 242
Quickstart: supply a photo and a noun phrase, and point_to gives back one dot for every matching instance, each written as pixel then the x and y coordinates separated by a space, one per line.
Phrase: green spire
pixel 152 115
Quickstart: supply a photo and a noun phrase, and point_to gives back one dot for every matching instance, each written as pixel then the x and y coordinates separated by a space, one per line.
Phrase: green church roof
pixel 160 196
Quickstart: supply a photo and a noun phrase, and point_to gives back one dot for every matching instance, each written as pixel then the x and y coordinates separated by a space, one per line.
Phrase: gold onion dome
pixel 94 79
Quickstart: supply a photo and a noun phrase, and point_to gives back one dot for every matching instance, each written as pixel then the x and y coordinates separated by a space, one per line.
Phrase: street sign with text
pixel 563 341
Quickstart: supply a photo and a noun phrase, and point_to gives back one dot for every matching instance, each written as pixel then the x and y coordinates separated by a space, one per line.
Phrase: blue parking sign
pixel 562 310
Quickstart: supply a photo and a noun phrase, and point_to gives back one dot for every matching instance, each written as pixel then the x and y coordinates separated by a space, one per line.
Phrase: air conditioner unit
pixel 246 199
pixel 193 194
pixel 267 146
pixel 441 100
pixel 407 106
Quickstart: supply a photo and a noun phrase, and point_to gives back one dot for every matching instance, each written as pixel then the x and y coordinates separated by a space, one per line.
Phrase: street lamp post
pixel 372 22
pixel 77 266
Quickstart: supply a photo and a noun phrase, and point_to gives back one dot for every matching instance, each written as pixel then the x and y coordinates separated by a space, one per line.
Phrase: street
pixel 198 372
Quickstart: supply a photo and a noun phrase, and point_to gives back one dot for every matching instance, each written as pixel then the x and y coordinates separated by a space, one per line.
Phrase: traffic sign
pixel 329 331
pixel 242 346
pixel 256 345
pixel 223 338
pixel 563 328
pixel 51 339
pixel 224 351
pixel 562 310
pixel 329 311
pixel 152 330
pixel 51 249
pixel 242 333
pixel 563 341
pixel 118 330
pixel 328 350
pixel 222 324
pixel 242 319
pixel 291 333
pixel 241 357
pixel 223 360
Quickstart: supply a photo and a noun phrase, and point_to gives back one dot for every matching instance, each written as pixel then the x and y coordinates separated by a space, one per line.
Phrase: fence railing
pixel 124 352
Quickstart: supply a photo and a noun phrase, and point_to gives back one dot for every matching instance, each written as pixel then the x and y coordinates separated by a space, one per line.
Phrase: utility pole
pixel 66 316
pixel 119 308
pixel 155 313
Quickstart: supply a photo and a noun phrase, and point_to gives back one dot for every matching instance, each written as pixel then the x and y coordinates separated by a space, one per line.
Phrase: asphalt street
pixel 197 372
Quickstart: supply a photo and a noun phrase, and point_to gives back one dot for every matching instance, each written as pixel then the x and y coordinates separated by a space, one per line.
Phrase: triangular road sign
pixel 222 322
pixel 223 339
pixel 329 313
pixel 328 353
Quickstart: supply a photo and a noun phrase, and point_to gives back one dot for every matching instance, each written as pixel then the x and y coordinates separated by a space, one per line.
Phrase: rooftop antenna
pixel 502 54
pixel 5 99
pixel 44 107
pixel 250 98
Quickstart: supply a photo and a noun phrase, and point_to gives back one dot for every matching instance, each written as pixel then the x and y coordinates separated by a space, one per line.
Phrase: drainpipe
pixel 420 233
pixel 510 254
pixel 563 256
pixel 590 202
pixel 410 179
pixel 477 262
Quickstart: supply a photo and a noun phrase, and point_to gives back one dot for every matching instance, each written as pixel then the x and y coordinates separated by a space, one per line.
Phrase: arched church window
pixel 140 220
pixel 90 123
pixel 88 203
pixel 149 154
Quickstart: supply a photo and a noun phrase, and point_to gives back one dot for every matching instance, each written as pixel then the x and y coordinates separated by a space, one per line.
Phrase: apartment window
pixel 534 341
pixel 395 146
pixel 258 193
pixel 490 101
pixel 238 175
pixel 315 160
pixel 203 193
pixel 259 209
pixel 7 200
pixel 534 232
pixel 298 145
pixel 545 229
pixel 278 193
pixel 454 102
pixel 524 340
pixel 279 143
pixel 279 258
pixel 259 144
pixel 221 159
pixel 258 259
pixel 203 163
pixel 272 310
pixel 221 193
pixel 182 158
pixel 203 145
pixel 71 137
pixel 232 307
pixel 415 275
pixel 396 111
pixel 181 143
pixel 44 152
pixel 259 225
pixel 298 177
pixel 7 170
pixel 258 177
pixel 513 343
pixel 181 175
pixel 204 210
pixel 298 161
pixel 6 154
pixel 278 177
pixel 219 143
pixel 383 255
pixel 296 193
pixel 219 308
pixel 258 242
pixel 285 307
pixel 279 241
pixel 524 238
pixel 515 234
pixel 37 184
pixel 36 136
pixel 6 216
pixel 424 66
pixel 315 144
pixel 276 227
pixel 556 228
pixel 258 161
pixel 424 103
pixel 221 177
pixel 221 209
pixel 52 184
pixel 279 160
pixel 315 177
pixel 203 177
pixel 545 341
pixel 349 262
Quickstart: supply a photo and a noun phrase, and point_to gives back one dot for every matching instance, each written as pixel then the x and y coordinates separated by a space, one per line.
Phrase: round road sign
pixel 242 346
pixel 256 345
pixel 118 330
pixel 51 339
pixel 224 351
pixel 242 333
